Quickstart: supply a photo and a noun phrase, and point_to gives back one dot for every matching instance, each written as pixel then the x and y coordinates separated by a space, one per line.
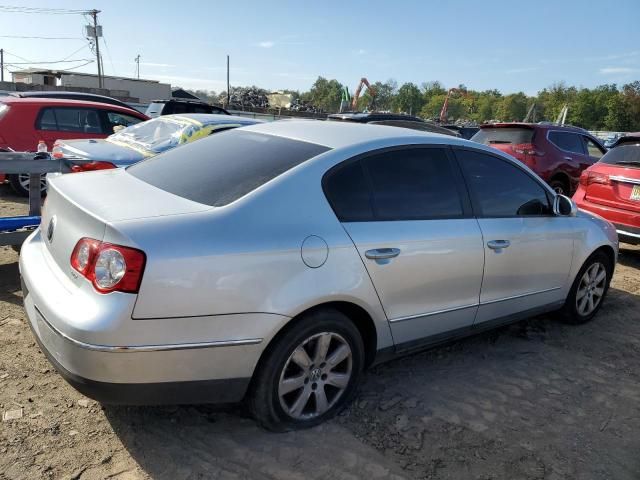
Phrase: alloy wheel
pixel 591 289
pixel 23 178
pixel 315 376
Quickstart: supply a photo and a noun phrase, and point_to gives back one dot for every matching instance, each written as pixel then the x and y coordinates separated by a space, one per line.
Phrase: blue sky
pixel 508 45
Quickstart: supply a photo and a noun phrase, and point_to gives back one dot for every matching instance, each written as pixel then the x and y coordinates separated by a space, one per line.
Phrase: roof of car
pixel 181 100
pixel 63 94
pixel 547 126
pixel 633 137
pixel 212 118
pixel 342 134
pixel 365 117
pixel 64 102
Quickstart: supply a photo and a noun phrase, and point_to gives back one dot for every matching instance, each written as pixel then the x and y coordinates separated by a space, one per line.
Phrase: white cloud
pixel 266 44
pixel 617 70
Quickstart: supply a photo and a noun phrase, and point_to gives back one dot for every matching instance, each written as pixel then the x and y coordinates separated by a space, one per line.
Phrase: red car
pixel 26 121
pixel 611 188
pixel 557 153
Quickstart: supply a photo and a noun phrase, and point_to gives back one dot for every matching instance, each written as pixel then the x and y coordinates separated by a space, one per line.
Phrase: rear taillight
pixel 588 177
pixel 90 166
pixel 109 267
pixel 524 149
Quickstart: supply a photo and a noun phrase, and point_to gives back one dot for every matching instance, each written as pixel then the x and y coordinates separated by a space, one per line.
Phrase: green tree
pixel 513 107
pixel 385 93
pixel 326 94
pixel 409 99
pixel 619 116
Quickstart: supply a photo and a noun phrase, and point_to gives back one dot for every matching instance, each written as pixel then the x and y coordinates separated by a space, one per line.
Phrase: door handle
pixel 568 159
pixel 498 244
pixel 382 253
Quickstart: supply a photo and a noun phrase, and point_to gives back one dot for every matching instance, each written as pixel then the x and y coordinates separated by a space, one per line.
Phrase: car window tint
pixel 47 120
pixel 78 120
pixel 202 109
pixel 594 150
pixel 224 167
pixel 627 155
pixel 501 189
pixel 412 184
pixel 571 142
pixel 180 108
pixel 348 193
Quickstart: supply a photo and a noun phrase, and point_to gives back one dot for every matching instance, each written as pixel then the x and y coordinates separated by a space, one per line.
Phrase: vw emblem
pixel 51 228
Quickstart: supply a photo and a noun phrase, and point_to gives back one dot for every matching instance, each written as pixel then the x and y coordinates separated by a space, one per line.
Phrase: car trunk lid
pixel 613 186
pixel 84 204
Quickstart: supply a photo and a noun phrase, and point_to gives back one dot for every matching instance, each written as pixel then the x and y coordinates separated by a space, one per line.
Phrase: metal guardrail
pixel 14 230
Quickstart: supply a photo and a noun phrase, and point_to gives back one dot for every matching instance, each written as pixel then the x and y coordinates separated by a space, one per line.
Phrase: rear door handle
pixel 382 253
pixel 498 244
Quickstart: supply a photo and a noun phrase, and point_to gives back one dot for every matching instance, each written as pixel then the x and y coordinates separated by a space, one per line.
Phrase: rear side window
pixel 81 120
pixel 624 155
pixel 509 135
pixel 570 142
pixel 224 167
pixel 501 189
pixel 405 184
pixel 348 192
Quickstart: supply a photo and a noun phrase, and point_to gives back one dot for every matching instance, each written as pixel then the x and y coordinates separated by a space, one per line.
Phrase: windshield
pixel 624 155
pixel 497 135
pixel 155 135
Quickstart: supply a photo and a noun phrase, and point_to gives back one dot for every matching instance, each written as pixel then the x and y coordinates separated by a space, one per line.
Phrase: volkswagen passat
pixel 275 262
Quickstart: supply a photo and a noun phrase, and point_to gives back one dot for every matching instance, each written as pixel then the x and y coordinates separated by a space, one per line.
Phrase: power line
pixel 41 38
pixel 40 10
pixel 53 61
pixel 113 69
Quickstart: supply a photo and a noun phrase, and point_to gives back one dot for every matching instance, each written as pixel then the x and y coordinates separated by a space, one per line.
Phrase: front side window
pixel 593 149
pixel 570 142
pixel 117 119
pixel 501 189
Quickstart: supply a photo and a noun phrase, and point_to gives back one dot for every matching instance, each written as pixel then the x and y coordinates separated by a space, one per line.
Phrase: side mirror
pixel 564 207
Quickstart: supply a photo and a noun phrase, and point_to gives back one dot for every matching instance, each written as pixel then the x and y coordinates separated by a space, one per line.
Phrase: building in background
pixel 132 89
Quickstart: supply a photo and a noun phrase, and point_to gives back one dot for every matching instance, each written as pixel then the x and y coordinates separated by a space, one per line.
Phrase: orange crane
pixel 445 106
pixel 356 95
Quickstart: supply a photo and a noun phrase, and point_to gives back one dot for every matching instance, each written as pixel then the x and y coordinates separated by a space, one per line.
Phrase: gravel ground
pixel 536 400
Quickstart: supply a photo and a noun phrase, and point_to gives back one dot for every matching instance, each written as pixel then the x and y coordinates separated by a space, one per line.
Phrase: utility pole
pixel 138 66
pixel 228 88
pixel 1 64
pixel 94 14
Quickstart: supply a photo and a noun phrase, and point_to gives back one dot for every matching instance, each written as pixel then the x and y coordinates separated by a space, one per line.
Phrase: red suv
pixel 611 188
pixel 558 154
pixel 26 121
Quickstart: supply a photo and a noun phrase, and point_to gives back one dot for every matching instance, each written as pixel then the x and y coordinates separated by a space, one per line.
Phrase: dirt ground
pixel 536 400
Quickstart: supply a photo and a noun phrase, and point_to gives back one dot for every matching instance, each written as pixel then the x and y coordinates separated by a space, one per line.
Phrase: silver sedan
pixel 275 262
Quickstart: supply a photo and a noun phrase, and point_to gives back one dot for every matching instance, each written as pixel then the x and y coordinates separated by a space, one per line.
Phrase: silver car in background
pixel 275 262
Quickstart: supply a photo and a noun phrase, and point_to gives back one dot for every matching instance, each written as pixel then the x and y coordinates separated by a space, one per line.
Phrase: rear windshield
pixel 624 155
pixel 493 136
pixel 220 169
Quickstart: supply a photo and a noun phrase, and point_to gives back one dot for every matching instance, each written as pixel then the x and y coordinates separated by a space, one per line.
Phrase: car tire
pixel 560 186
pixel 308 373
pixel 588 291
pixel 18 185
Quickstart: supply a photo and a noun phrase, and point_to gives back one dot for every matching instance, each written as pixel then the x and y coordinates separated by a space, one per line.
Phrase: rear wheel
pixel 588 290
pixel 20 184
pixel 309 373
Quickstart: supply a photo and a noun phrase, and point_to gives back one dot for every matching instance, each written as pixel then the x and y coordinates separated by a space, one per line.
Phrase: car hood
pixel 118 153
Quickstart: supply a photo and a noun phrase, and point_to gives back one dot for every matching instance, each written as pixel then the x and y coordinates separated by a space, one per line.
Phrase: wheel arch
pixel 357 314
pixel 563 177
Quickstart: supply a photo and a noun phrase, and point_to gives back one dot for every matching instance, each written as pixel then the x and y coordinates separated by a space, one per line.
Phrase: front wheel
pixel 588 290
pixel 309 373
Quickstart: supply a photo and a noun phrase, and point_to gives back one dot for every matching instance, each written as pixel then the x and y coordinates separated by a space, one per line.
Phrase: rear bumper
pixel 105 354
pixel 627 223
